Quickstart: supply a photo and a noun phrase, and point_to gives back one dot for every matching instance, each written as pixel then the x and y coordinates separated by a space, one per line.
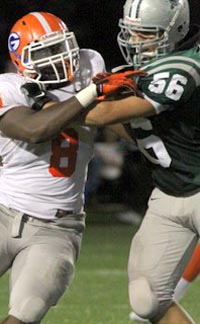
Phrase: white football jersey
pixel 38 179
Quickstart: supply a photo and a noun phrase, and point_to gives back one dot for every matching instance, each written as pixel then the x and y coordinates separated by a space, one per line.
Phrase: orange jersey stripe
pixel 1 103
pixel 193 268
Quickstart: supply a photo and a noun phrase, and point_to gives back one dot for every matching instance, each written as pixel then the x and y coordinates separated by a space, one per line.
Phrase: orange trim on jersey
pixel 193 268
pixel 1 103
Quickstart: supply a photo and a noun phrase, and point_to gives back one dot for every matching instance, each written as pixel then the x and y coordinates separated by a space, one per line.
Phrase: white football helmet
pixel 43 49
pixel 167 20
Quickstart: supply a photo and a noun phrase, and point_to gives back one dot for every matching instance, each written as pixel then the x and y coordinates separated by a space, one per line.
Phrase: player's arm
pixel 32 126
pixel 38 124
pixel 123 109
pixel 119 111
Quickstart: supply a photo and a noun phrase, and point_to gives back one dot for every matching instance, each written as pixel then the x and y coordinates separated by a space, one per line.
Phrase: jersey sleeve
pixel 171 81
pixel 97 61
pixel 10 96
pixel 91 63
pixel 93 60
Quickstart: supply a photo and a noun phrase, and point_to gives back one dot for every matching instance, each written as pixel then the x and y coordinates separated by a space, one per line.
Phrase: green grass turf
pixel 98 294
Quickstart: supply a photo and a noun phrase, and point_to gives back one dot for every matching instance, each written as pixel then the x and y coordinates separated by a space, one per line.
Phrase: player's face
pixel 143 37
pixel 144 44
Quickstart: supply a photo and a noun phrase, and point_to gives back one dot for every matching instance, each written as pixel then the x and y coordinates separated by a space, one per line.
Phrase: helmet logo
pixel 13 42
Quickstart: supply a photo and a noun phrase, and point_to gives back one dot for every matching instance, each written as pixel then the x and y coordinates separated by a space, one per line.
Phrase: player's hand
pixel 36 97
pixel 109 84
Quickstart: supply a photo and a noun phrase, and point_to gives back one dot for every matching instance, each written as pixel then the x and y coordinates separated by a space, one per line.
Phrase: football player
pixel 44 161
pixel 164 120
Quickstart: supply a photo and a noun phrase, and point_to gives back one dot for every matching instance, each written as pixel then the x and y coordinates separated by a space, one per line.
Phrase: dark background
pixel 95 22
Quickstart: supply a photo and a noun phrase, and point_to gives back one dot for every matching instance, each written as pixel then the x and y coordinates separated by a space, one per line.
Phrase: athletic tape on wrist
pixel 87 95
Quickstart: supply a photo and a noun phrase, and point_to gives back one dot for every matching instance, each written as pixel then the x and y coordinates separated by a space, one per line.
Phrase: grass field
pixel 98 294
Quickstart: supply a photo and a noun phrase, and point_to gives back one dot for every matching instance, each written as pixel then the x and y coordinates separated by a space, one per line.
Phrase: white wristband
pixel 87 95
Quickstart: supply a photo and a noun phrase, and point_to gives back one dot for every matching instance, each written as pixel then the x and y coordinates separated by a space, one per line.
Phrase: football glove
pixel 109 84
pixel 35 96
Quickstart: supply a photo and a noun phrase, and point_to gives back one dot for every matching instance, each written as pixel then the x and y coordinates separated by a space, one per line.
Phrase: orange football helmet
pixel 43 49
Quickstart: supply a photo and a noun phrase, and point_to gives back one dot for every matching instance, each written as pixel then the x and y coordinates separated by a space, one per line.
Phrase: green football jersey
pixel 170 140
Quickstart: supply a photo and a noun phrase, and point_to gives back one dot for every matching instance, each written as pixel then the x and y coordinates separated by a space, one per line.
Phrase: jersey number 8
pixel 64 154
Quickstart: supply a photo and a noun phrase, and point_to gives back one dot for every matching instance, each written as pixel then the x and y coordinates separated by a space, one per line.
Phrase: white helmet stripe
pixel 43 22
pixel 134 10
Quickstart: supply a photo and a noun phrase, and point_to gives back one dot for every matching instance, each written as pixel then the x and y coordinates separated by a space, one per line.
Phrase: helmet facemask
pixel 51 60
pixel 155 43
